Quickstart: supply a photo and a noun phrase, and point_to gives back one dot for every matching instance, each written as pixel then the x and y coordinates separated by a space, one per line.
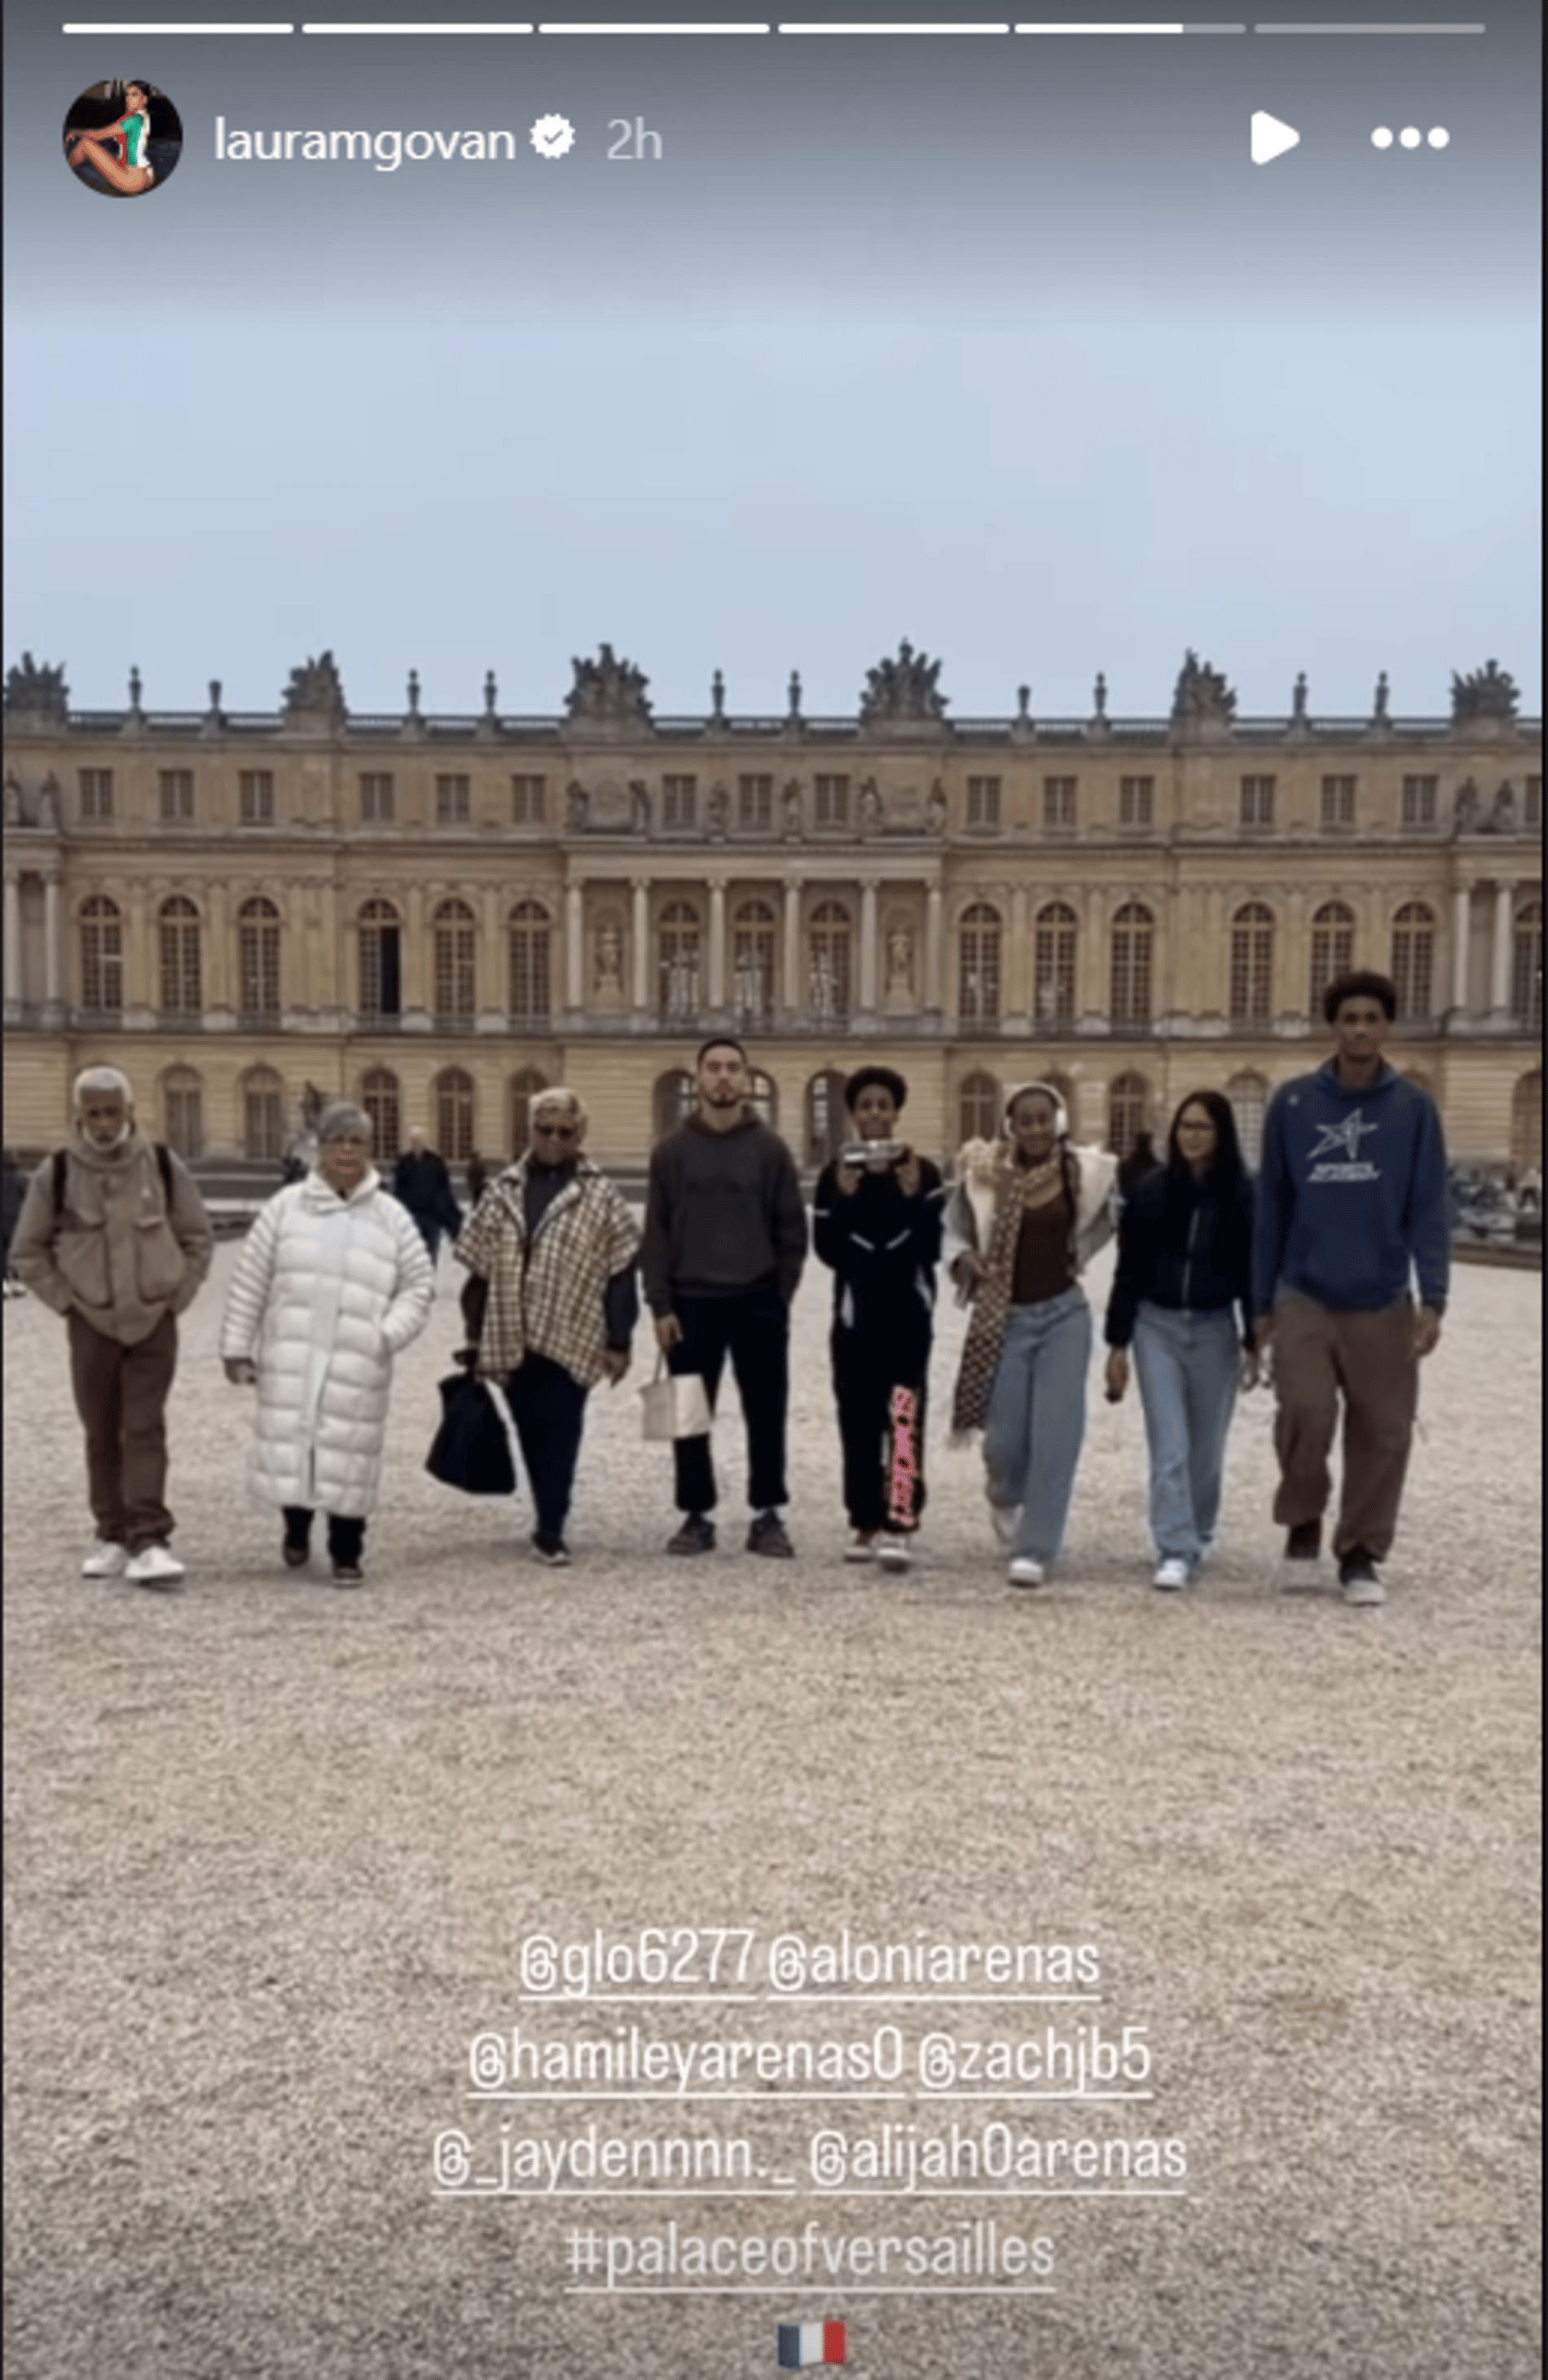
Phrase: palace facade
pixel 436 915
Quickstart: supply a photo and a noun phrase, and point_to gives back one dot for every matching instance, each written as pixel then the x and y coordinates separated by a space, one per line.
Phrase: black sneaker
pixel 348 1573
pixel 296 1553
pixel 552 1552
pixel 768 1535
pixel 1301 1562
pixel 696 1537
pixel 1360 1580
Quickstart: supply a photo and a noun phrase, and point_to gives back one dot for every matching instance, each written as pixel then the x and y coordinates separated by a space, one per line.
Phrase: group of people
pixel 1308 1272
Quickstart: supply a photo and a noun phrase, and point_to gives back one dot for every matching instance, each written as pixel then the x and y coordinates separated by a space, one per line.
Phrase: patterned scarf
pixel 1015 1188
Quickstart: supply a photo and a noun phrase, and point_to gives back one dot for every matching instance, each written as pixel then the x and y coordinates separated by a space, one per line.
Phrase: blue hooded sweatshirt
pixel 1352 1194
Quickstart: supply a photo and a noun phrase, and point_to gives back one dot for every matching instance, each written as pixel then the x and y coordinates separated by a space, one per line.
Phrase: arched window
pixel 751 962
pixel 453 1115
pixel 1053 998
pixel 825 1116
pixel 978 1108
pixel 257 960
pixel 523 1088
pixel 1252 964
pixel 672 1102
pixel 1526 1000
pixel 183 1111
pixel 1132 950
pixel 101 957
pixel 1414 960
pixel 1525 1123
pixel 1332 940
pixel 764 1098
pixel 457 961
pixel 978 943
pixel 383 1102
pixel 182 975
pixel 1128 1111
pixel 531 953
pixel 380 960
pixel 677 961
pixel 828 945
pixel 1248 1097
pixel 262 1114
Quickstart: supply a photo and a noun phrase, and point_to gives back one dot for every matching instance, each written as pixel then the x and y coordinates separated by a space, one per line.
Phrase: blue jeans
pixel 1037 1418
pixel 1187 1365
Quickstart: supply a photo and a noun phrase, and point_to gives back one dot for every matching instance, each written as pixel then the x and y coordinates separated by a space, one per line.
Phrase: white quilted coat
pixel 326 1292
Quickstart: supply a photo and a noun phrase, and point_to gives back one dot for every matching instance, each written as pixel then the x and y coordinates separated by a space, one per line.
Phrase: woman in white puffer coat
pixel 333 1281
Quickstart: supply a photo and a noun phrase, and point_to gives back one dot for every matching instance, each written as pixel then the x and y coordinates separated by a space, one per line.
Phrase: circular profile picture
pixel 123 138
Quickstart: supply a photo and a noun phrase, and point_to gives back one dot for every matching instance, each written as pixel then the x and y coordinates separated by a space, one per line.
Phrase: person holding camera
pixel 876 1223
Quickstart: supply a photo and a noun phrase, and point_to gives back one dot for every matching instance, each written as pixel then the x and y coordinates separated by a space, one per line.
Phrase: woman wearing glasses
pixel 553 1302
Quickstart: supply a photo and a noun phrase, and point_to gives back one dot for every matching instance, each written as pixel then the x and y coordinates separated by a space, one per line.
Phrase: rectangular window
pixel 983 801
pixel 177 799
pixel 1533 802
pixel 528 800
pixel 375 798
pixel 754 803
pixel 1338 801
pixel 1136 801
pixel 255 795
pixel 1058 801
pixel 831 801
pixel 1257 801
pixel 1419 800
pixel 96 793
pixel 454 800
pixel 680 801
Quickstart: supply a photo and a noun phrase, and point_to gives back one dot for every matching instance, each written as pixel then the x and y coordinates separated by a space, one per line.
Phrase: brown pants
pixel 120 1394
pixel 1370 1357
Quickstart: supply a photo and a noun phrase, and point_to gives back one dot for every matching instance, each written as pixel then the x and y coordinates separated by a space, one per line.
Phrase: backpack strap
pixel 61 1162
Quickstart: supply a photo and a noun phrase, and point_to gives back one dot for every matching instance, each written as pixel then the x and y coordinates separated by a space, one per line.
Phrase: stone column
pixel 1092 1000
pixel 640 936
pixel 13 943
pixel 142 988
pixel 934 948
pixel 717 985
pixel 1461 947
pixel 54 947
pixel 219 957
pixel 868 947
pixel 1016 986
pixel 415 989
pixel 794 1000
pixel 1500 954
pixel 490 989
pixel 574 948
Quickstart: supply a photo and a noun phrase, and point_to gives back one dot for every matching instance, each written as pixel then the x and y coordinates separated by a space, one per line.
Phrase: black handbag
pixel 472 1447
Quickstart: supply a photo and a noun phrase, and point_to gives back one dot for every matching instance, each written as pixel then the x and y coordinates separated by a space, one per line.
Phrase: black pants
pixel 753 1329
pixel 548 1405
pixel 346 1538
pixel 879 1382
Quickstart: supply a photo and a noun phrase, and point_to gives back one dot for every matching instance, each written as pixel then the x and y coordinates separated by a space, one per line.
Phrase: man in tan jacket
pixel 113 1234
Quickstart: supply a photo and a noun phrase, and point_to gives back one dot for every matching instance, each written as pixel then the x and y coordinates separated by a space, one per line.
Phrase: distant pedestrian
pixel 113 1234
pixel 14 1192
pixel 1026 1214
pixel 1182 1297
pixel 1351 1207
pixel 553 1304
pixel 333 1282
pixel 878 1224
pixel 422 1183
pixel 725 1242
pixel 1140 1162
pixel 478 1178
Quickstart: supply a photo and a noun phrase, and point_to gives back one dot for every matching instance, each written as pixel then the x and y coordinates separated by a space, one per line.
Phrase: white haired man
pixel 113 1234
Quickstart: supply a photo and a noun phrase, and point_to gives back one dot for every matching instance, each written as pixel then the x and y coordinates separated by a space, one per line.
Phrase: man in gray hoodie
pixel 725 1242
pixel 113 1235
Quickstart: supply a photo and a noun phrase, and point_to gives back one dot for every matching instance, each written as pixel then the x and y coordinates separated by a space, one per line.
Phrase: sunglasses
pixel 557 1131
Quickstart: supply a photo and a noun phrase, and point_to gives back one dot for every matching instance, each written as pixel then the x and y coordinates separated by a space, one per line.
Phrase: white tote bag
pixel 675 1407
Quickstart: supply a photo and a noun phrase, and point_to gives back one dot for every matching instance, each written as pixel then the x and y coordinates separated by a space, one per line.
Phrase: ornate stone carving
pixel 1502 817
pixel 608 689
pixel 794 811
pixel 1488 693
pixel 13 798
pixel 902 690
pixel 1201 697
pixel 870 807
pixel 1468 806
pixel 609 957
pixel 315 692
pixel 718 698
pixel 36 691
pixel 137 687
pixel 720 811
pixel 1382 703
pixel 793 715
pixel 412 694
pixel 1099 697
pixel 578 807
pixel 639 806
pixel 491 696
pixel 934 809
pixel 900 958
pixel 1297 697
pixel 48 804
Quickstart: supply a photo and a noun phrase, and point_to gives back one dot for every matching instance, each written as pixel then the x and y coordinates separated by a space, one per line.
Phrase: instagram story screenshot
pixel 773 1202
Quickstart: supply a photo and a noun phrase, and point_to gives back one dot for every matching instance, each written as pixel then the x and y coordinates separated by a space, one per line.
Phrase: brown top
pixel 1044 1266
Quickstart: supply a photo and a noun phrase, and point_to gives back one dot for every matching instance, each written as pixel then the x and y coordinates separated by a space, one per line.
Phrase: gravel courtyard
pixel 273 1849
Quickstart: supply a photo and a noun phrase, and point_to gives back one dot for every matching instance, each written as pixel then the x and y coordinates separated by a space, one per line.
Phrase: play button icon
pixel 1271 138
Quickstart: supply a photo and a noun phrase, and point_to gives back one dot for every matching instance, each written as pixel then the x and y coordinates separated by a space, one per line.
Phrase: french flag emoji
pixel 803 2344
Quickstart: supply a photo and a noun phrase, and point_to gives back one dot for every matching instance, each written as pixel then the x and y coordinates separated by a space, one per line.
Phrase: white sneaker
pixel 1170 1576
pixel 157 1566
pixel 860 1550
pixel 106 1560
pixel 1363 1587
pixel 893 1553
pixel 1002 1520
pixel 1024 1571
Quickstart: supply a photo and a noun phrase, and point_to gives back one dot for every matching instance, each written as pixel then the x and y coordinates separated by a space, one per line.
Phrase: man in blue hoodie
pixel 1352 1205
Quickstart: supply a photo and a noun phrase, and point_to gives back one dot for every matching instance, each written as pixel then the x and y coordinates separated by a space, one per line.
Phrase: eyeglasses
pixel 557 1131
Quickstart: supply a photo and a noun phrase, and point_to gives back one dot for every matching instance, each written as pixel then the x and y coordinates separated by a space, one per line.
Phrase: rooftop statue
pixel 1488 693
pixel 607 688
pixel 1202 693
pixel 316 690
pixel 904 688
pixel 37 690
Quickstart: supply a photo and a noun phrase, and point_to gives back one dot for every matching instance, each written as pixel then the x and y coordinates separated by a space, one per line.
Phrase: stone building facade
pixel 436 914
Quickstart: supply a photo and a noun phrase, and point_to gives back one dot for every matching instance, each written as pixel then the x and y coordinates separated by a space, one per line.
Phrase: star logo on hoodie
pixel 1342 1141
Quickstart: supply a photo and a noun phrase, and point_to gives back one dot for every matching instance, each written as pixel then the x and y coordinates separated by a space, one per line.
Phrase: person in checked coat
pixel 333 1281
